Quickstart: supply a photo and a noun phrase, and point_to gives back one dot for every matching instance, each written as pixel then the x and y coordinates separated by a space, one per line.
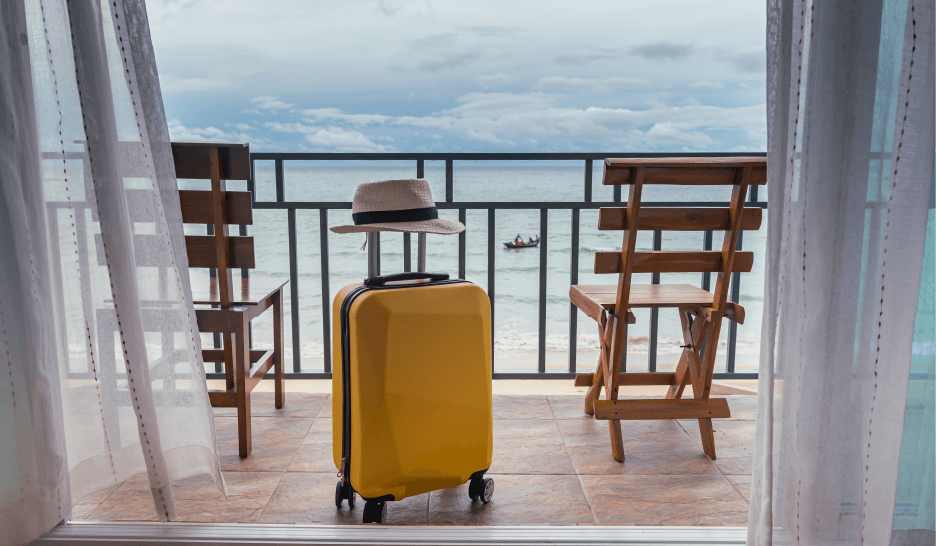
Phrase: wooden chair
pixel 236 300
pixel 700 311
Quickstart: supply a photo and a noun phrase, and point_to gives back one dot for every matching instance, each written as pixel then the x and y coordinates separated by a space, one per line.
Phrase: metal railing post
pixel 654 312
pixel 293 267
pixel 490 279
pixel 544 229
pixel 326 292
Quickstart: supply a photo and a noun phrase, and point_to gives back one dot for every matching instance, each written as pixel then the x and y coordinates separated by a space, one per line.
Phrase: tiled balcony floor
pixel 552 465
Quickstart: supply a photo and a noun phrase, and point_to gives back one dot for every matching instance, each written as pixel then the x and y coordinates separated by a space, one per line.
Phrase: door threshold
pixel 222 534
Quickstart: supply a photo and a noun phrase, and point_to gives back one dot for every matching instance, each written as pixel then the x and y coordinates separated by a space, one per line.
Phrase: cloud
pixel 270 103
pixel 181 133
pixel 170 84
pixel 494 79
pixel 753 62
pixel 387 9
pixel 707 85
pixel 332 139
pixel 589 85
pixel 661 51
pixel 507 118
pixel 337 115
pixel 450 59
pixel 586 58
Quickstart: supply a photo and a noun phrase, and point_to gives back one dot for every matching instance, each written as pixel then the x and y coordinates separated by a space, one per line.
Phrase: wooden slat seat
pixel 592 298
pixel 249 291
pixel 700 311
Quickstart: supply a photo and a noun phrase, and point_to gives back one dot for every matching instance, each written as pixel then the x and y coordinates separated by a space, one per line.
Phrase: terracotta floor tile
pixel 665 500
pixel 743 408
pixel 82 511
pixel 298 404
pixel 568 407
pixel 544 430
pixel 519 456
pixel 313 458
pixel 264 428
pixel 126 509
pixel 267 456
pixel 310 498
pixel 326 411
pixel 258 486
pixel 593 432
pixel 734 444
pixel 199 500
pixel 742 483
pixel 518 500
pixel 660 460
pixel 100 496
pixel 508 406
pixel 320 433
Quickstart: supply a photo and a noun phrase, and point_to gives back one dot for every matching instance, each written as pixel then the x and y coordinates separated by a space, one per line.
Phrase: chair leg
pixel 241 367
pixel 279 382
pixel 227 344
pixel 708 437
pixel 612 373
pixel 594 392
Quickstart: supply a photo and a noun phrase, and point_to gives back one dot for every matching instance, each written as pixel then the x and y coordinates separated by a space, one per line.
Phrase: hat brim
pixel 440 227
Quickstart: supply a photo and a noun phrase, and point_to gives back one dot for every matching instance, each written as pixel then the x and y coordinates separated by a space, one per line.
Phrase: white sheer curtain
pixel 101 359
pixel 850 158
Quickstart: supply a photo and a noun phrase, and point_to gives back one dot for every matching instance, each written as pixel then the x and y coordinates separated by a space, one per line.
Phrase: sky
pixel 470 76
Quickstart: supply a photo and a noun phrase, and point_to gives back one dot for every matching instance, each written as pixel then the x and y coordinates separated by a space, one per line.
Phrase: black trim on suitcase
pixel 436 279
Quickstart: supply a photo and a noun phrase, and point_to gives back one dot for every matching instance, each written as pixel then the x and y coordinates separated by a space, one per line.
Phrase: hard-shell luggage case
pixel 411 389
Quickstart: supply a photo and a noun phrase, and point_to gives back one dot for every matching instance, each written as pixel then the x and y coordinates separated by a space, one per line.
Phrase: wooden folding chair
pixel 235 300
pixel 700 311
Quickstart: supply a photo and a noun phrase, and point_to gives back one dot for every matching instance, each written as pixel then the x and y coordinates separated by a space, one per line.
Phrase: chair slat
pixel 191 160
pixel 201 251
pixel 662 409
pixel 678 219
pixel 151 251
pixel 197 209
pixel 673 261
pixel 705 171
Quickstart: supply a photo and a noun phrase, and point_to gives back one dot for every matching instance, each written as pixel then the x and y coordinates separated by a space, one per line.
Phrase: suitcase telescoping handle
pixel 414 276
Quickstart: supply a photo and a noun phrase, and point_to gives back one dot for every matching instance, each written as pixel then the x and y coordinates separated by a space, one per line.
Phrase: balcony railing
pixel 290 207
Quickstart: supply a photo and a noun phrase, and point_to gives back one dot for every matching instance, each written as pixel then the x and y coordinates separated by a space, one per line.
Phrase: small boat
pixel 522 244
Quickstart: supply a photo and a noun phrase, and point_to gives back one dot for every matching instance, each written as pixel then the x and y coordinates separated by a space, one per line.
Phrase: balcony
pixel 552 462
pixel 547 471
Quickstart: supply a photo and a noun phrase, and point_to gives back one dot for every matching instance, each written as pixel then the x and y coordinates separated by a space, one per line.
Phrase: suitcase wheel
pixel 481 488
pixel 375 512
pixel 341 495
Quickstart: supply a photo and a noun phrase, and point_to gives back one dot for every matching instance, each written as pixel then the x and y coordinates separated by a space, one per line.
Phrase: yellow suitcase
pixel 411 389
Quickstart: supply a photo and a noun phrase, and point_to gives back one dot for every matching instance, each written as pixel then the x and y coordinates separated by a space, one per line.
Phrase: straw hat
pixel 397 205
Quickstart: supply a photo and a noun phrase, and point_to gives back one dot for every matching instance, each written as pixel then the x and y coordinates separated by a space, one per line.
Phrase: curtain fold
pixel 104 377
pixel 851 151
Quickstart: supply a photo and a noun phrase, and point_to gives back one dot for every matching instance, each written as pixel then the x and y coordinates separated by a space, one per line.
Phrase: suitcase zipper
pixel 345 470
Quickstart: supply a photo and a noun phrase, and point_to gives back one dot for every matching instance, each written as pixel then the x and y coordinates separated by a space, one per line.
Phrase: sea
pixel 516 285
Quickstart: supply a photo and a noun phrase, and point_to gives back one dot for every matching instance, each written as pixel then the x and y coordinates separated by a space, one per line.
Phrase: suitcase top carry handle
pixel 415 276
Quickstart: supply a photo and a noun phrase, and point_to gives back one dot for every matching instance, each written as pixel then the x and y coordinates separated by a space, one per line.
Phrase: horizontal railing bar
pixel 505 205
pixel 341 156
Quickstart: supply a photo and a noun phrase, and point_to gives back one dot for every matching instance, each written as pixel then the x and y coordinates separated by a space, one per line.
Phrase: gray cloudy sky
pixel 484 75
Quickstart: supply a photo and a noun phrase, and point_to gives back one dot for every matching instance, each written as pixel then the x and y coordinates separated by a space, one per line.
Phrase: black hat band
pixel 395 216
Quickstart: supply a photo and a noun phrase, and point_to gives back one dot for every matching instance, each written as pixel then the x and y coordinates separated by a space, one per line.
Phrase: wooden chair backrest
pixel 737 172
pixel 216 207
